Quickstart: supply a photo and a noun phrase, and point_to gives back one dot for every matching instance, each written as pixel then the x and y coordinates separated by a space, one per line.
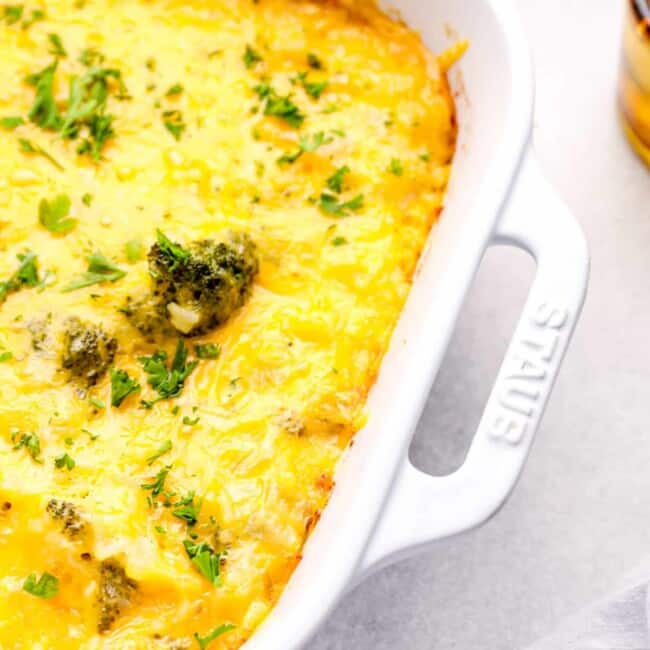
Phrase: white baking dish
pixel 382 507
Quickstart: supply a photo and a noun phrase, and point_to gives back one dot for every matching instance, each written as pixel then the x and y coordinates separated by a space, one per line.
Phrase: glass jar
pixel 634 85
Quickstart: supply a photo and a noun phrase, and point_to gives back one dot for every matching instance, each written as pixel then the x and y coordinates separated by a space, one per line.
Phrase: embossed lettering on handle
pixel 527 372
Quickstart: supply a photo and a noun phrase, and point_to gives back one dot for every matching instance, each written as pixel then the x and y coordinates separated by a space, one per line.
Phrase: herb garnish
pixel 173 121
pixel 175 253
pixel 122 386
pixel 11 123
pixel 25 276
pixel 53 214
pixel 314 88
pixel 279 106
pixel 64 461
pixel 37 14
pixel 100 269
pixel 313 61
pixel 87 199
pixel 30 441
pixel 339 241
pixel 29 147
pixel 396 167
pixel 157 484
pixel 176 89
pixel 6 356
pixel 330 205
pixel 163 449
pixel 207 350
pixel 47 586
pixel 335 181
pixel 44 111
pixel 205 559
pixel 187 510
pixel 133 251
pixel 251 57
pixel 57 48
pixel 204 641
pixel 13 13
pixel 167 382
pixel 305 146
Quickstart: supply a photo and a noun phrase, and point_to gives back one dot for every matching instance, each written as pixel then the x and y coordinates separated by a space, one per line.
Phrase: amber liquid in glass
pixel 634 90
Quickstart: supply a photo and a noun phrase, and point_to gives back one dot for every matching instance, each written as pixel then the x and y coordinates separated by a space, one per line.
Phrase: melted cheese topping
pixel 286 394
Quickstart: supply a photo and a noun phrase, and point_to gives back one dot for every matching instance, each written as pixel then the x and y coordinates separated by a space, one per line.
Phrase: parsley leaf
pixel 176 89
pixel 330 205
pixel 122 386
pixel 64 461
pixel 44 111
pixel 335 181
pixel 163 449
pixel 305 146
pixel 339 241
pixel 204 641
pixel 313 61
pixel 47 586
pixel 100 269
pixel 133 251
pixel 187 420
pixel 57 48
pixel 37 14
pixel 87 199
pixel 396 167
pixel 25 276
pixel 279 106
pixel 315 88
pixel 251 57
pixel 31 442
pixel 29 147
pixel 167 382
pixel 173 121
pixel 11 123
pixel 187 510
pixel 205 559
pixel 13 13
pixel 53 215
pixel 157 484
pixel 6 356
pixel 207 350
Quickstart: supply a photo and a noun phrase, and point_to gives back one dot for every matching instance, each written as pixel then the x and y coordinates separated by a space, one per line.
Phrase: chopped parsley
pixel 87 199
pixel 335 181
pixel 314 88
pixel 190 421
pixel 167 381
pixel 25 276
pixel 204 641
pixel 279 106
pixel 251 57
pixel 207 350
pixel 314 62
pixel 425 157
pixel 157 484
pixel 305 145
pixel 100 269
pixel 27 146
pixel 134 251
pixel 163 449
pixel 396 167
pixel 37 14
pixel 90 56
pixel 30 441
pixel 330 205
pixel 205 559
pixel 187 510
pixel 97 403
pixel 64 461
pixel 53 215
pixel 339 241
pixel 173 121
pixel 11 123
pixel 122 386
pixel 13 13
pixel 44 111
pixel 47 586
pixel 176 89
pixel 57 48
pixel 6 356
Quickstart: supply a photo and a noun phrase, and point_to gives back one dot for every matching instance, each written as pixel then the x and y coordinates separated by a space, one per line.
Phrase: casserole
pixel 382 507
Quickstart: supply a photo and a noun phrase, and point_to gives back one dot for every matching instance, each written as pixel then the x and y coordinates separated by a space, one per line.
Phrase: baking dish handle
pixel 423 508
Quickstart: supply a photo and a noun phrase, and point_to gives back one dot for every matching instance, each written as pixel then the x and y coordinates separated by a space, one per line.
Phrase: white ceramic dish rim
pixel 382 507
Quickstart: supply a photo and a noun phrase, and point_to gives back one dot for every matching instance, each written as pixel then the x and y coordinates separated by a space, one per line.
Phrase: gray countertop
pixel 580 517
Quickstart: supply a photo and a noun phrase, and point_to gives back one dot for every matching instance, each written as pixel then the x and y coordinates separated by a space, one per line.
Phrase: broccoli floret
pixel 88 351
pixel 195 288
pixel 116 591
pixel 73 523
